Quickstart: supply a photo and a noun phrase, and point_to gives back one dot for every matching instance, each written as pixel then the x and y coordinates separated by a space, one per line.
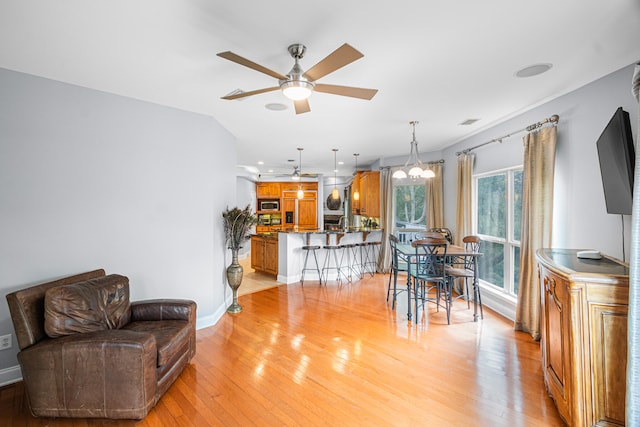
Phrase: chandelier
pixel 415 165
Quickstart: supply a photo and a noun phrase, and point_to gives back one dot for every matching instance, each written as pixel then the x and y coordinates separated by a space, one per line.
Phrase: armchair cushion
pixel 89 306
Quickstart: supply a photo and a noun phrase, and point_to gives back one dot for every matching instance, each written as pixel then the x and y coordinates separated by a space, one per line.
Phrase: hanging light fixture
pixel 300 192
pixel 416 166
pixel 356 193
pixel 335 194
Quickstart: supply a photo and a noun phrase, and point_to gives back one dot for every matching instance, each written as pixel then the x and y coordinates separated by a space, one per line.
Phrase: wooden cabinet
pixel 268 190
pixel 368 185
pixel 584 335
pixel 264 254
pixel 302 213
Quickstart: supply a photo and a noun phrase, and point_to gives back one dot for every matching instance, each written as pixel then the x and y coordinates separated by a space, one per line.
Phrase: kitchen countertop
pixel 321 231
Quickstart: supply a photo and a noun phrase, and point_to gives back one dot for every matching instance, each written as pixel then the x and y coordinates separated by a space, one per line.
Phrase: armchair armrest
pixel 168 309
pixel 164 309
pixel 94 374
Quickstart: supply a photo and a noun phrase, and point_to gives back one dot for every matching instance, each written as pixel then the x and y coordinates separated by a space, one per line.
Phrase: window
pixel 498 216
pixel 409 207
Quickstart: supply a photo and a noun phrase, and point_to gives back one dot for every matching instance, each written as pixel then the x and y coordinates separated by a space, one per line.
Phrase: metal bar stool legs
pixel 313 250
pixel 332 252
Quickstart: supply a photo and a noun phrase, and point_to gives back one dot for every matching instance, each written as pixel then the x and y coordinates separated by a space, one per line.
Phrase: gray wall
pixel 93 180
pixel 580 217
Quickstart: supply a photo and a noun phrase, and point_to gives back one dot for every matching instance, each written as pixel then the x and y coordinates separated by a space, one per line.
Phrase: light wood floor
pixel 339 356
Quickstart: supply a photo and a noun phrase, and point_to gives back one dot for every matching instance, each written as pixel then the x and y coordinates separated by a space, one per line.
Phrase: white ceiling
pixel 437 62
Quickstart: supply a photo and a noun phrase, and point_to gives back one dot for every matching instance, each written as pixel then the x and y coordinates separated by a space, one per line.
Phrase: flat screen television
pixel 617 163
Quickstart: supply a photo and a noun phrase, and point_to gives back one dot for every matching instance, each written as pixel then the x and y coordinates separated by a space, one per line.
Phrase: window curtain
pixel 386 219
pixel 433 193
pixel 463 211
pixel 633 323
pixel 537 216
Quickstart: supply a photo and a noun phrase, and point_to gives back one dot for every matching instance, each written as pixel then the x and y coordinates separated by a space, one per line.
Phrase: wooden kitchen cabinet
pixel 264 254
pixel 304 212
pixel 368 185
pixel 584 306
pixel 268 190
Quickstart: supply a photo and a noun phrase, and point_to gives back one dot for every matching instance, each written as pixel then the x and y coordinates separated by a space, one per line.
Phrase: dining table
pixel 455 255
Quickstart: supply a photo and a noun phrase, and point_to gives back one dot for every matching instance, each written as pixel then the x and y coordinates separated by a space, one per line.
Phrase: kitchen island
pixel 290 256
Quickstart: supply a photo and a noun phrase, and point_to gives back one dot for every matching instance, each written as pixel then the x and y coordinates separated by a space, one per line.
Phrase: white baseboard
pixel 10 375
pixel 498 302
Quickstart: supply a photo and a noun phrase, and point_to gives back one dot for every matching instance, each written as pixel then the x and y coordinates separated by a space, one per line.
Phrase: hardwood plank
pixel 338 355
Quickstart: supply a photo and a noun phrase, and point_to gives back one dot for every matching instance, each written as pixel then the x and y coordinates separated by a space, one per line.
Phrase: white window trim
pixel 493 296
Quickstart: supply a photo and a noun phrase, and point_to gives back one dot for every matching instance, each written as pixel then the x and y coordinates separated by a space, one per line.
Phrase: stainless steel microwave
pixel 269 205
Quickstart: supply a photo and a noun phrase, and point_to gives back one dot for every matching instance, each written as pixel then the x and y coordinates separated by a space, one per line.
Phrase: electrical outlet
pixel 5 342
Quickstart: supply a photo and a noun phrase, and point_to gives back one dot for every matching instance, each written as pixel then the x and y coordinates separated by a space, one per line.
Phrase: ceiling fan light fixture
pixel 296 90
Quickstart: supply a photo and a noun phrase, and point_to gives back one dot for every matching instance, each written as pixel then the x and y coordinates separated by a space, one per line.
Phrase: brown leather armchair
pixel 87 352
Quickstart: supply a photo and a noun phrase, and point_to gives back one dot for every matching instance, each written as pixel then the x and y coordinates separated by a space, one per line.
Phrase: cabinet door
pixel 373 194
pixel 268 190
pixel 307 212
pixel 257 253
pixel 271 256
pixel 609 358
pixel 556 353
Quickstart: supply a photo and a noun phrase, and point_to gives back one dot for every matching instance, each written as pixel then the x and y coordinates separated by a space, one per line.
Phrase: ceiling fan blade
pixel 253 92
pixel 243 61
pixel 302 106
pixel 354 92
pixel 340 57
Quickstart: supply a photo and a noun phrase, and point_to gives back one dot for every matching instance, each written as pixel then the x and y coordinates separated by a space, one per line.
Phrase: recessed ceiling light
pixel 533 70
pixel 260 162
pixel 275 106
pixel 341 163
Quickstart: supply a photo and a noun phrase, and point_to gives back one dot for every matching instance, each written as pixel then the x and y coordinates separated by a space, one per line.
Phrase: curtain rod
pixel 432 162
pixel 553 119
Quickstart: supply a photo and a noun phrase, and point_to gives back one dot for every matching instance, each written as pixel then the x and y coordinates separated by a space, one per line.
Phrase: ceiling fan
pixel 295 175
pixel 298 84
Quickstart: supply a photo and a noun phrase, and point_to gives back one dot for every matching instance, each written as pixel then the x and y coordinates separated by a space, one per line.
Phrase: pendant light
pixel 416 166
pixel 300 192
pixel 356 193
pixel 335 194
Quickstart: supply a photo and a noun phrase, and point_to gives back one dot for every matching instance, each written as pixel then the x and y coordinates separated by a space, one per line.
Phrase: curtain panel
pixel 386 219
pixel 537 217
pixel 464 224
pixel 434 196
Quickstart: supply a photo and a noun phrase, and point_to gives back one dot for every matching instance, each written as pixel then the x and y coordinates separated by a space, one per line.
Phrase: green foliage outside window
pixel 410 206
pixel 492 206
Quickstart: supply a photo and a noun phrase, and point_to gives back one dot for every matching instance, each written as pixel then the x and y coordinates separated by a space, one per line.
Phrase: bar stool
pixel 331 249
pixel 310 249
pixel 374 252
pixel 348 265
pixel 363 249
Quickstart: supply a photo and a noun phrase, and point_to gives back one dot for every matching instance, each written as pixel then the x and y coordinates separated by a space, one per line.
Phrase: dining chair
pixel 445 232
pixel 465 270
pixel 398 264
pixel 428 267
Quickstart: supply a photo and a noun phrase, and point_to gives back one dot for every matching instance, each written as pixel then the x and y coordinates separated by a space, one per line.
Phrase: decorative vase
pixel 234 279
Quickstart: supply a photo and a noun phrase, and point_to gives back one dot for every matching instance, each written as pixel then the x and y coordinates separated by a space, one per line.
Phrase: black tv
pixel 617 163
